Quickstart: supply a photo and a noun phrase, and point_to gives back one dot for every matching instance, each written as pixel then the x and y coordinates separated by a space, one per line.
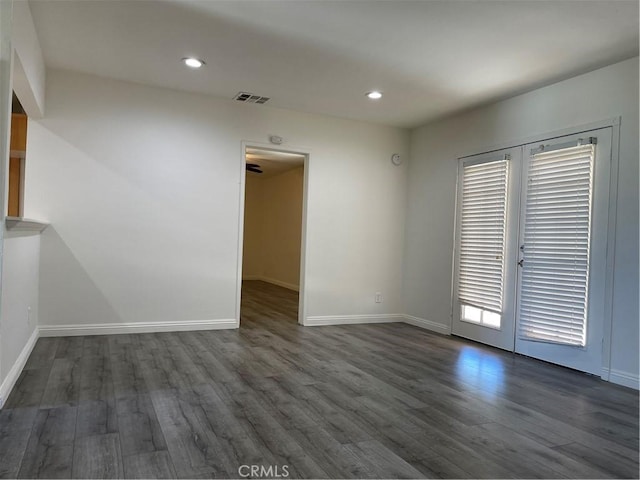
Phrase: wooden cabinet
pixel 18 132
pixel 16 163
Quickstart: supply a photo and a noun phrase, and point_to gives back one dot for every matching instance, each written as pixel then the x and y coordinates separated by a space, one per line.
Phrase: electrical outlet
pixel 378 297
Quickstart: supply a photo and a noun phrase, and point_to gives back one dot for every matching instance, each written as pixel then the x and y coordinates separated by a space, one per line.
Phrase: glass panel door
pixel 486 249
pixel 562 250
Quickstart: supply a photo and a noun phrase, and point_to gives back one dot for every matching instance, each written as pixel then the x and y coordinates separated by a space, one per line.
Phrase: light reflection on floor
pixel 480 369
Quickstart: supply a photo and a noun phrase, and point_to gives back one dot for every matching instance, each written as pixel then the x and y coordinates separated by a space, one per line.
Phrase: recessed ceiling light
pixel 375 95
pixel 193 62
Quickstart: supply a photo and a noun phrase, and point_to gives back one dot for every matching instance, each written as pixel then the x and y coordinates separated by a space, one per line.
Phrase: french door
pixel 531 239
pixel 484 286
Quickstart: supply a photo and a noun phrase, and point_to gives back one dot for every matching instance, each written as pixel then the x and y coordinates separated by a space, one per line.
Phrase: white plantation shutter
pixel 555 269
pixel 482 235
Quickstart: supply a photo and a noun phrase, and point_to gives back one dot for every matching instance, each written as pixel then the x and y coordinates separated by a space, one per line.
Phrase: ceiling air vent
pixel 250 98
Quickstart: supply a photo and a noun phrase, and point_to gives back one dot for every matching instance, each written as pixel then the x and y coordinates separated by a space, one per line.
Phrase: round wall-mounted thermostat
pixel 395 159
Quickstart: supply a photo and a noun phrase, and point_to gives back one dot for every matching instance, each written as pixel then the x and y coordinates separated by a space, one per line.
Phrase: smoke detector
pixel 247 97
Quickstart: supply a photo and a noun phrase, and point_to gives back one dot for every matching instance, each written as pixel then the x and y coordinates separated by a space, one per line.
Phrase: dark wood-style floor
pixel 362 401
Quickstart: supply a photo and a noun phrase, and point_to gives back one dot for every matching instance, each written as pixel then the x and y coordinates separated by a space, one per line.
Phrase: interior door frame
pixel 614 123
pixel 302 294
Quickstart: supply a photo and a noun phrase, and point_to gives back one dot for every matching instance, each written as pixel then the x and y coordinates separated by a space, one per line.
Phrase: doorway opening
pixel 271 271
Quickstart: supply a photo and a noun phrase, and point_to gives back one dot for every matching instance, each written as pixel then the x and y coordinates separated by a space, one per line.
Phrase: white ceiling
pixel 273 162
pixel 430 58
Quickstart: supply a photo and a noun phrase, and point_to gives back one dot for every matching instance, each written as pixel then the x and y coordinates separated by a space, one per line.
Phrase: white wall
pixel 5 123
pixel 252 265
pixel 22 70
pixel 273 228
pixel 141 186
pixel 595 96
pixel 282 226
pixel 19 294
pixel 29 72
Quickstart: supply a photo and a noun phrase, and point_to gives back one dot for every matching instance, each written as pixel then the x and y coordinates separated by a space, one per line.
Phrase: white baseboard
pixel 279 283
pixel 137 327
pixel 289 286
pixel 351 319
pixel 427 324
pixel 16 369
pixel 251 277
pixel 619 377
